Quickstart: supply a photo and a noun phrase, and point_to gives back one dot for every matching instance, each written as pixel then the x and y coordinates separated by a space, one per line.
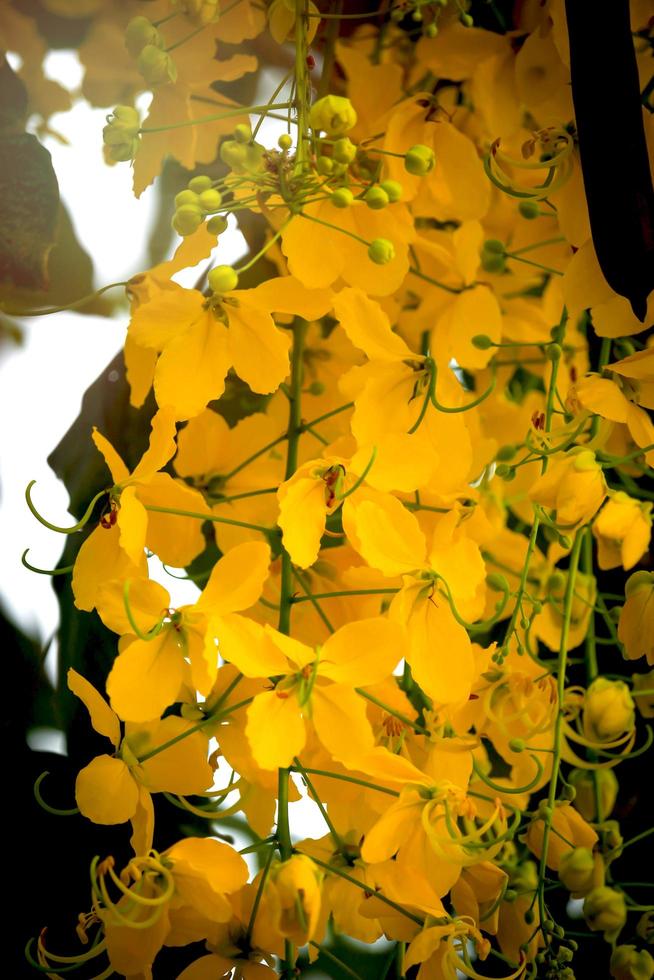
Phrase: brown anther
pixel 538 421
pixel 306 671
pixel 573 373
pixel 311 62
pixel 107 521
pixel 392 726
pixel 282 694
pixel 106 865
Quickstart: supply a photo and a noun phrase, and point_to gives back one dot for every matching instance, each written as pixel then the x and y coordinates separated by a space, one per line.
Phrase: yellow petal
pixel 367 326
pixel 147 601
pixel 275 729
pixel 288 295
pixel 139 368
pixel 167 313
pixel 400 821
pixel 199 445
pixel 388 536
pixel 298 654
pixel 132 524
pixel 142 823
pixel 440 652
pixel 117 468
pixel 341 722
pixel 146 677
pixel 106 792
pixel 191 370
pixel 217 864
pixel 364 652
pixel 237 580
pixel 258 349
pixel 603 397
pixel 103 719
pixel 302 516
pixel 180 768
pixel 458 185
pixel 474 311
pixel 161 447
pixel 245 644
pixel 99 560
pixel 176 540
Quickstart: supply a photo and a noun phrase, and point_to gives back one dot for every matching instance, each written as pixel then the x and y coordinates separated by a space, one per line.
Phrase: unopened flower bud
pixel 497 582
pixel 342 197
pixel 200 183
pixel 139 32
pixel 419 160
pixel 210 200
pixel 242 133
pixel 285 142
pixel 528 210
pixel 187 219
pixel 333 114
pixel 576 870
pixel 187 197
pixel 381 251
pixel 217 225
pixel 223 279
pixel 482 341
pixel 629 963
pixel 605 910
pixel 325 165
pixel 344 150
pixel 376 198
pixel 393 189
pixel 506 453
pixel 121 134
pixel 156 66
pixel 609 710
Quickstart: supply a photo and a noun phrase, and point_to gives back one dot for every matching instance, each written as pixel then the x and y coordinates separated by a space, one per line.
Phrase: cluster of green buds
pixel 192 205
pixel 145 43
pixel 121 134
pixel 426 13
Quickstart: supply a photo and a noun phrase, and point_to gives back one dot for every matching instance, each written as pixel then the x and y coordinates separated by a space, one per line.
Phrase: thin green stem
pixel 338 840
pixel 352 779
pixel 229 114
pixel 336 595
pixel 208 517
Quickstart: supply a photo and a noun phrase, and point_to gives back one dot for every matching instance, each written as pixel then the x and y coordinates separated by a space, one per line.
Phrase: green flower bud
pixel 156 66
pixel 517 744
pixel 210 200
pixel 187 197
pixel 494 246
pixel 482 341
pixel 497 582
pixel 553 351
pixel 495 264
pixel 545 811
pixel 528 210
pixel 505 453
pixel 419 160
pixel 285 142
pixel 139 32
pixel 342 197
pixel 316 388
pixel 333 115
pixel 505 472
pixel 325 165
pixel 376 198
pixel 217 225
pixel 609 710
pixel 187 219
pixel 121 134
pixel 605 911
pixel 200 183
pixel 242 133
pixel 576 870
pixel 381 251
pixel 393 189
pixel 466 20
pixel 223 279
pixel 584 784
pixel 629 963
pixel 234 155
pixel 431 30
pixel 344 150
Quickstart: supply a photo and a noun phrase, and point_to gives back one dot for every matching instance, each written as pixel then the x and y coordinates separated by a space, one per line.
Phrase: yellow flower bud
pixel 333 115
pixel 297 889
pixel 200 183
pixel 139 32
pixel 202 12
pixel 187 219
pixel 623 529
pixel 584 783
pixel 217 225
pixel 210 200
pixel 644 702
pixel 636 624
pixel 156 66
pixel 576 870
pixel 381 251
pixel 223 278
pixel 342 197
pixel 574 487
pixel 629 963
pixel 605 911
pixel 419 160
pixel 609 710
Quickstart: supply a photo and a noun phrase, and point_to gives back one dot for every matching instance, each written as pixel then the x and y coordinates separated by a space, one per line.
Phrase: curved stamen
pixel 55 527
pixel 44 571
pixel 514 790
pixel 46 806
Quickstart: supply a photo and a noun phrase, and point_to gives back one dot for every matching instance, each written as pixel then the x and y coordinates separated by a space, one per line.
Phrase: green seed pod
pixel 223 279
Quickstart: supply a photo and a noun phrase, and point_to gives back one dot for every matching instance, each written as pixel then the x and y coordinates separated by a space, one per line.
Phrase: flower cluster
pixel 403 550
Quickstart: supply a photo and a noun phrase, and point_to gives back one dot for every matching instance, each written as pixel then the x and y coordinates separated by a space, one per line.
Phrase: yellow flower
pixel 623 529
pixel 629 963
pixel 150 671
pixel 570 831
pixel 316 684
pixel 573 487
pixel 112 789
pixel 636 623
pixel 605 911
